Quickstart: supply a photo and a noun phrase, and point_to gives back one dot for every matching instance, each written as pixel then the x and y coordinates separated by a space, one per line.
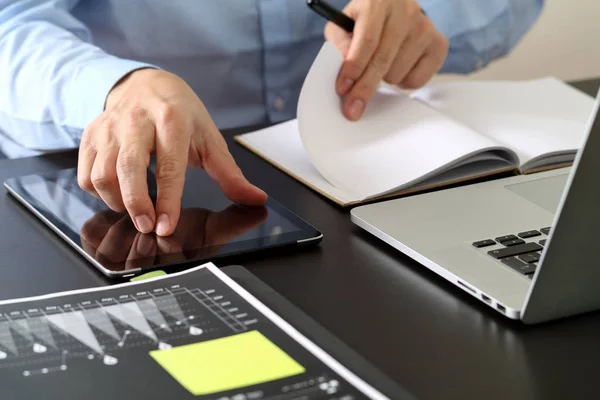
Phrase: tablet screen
pixel 210 225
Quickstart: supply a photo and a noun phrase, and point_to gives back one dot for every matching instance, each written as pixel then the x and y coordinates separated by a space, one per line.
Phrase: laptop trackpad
pixel 545 192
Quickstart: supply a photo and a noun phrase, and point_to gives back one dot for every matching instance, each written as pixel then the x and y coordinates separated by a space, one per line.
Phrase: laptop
pixel 526 245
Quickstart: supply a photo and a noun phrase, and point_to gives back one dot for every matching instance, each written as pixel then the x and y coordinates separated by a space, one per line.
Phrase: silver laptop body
pixel 439 230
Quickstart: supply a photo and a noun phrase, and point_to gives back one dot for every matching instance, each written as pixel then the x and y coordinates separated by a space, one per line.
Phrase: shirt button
pixel 279 104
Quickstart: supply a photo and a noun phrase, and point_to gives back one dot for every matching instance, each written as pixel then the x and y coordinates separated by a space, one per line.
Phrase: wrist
pixel 121 85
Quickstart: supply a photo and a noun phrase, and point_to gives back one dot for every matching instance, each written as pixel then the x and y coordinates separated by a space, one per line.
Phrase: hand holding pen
pixel 389 40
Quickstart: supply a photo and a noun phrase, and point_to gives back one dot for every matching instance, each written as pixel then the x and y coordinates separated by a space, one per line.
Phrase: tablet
pixel 210 227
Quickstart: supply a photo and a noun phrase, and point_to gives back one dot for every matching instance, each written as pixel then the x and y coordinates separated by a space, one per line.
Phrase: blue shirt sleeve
pixel 480 31
pixel 51 73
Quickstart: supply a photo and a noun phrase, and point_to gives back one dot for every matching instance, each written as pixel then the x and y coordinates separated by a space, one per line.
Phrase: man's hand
pixel 392 41
pixel 155 112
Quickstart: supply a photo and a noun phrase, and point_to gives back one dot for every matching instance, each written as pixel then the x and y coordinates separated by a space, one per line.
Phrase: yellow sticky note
pixel 227 363
pixel 151 274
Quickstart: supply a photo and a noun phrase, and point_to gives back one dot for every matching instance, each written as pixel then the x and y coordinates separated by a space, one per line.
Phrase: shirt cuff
pixel 92 84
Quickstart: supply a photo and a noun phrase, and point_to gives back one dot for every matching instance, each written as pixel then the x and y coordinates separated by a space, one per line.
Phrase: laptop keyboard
pixel 520 251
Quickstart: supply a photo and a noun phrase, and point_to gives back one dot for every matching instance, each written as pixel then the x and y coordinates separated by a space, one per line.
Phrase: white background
pixel 565 43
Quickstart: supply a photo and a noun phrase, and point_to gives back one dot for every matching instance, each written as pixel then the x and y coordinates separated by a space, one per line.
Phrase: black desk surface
pixel 428 336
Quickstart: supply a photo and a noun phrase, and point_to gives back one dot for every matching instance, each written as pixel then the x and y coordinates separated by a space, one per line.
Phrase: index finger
pixel 172 152
pixel 366 37
pixel 132 165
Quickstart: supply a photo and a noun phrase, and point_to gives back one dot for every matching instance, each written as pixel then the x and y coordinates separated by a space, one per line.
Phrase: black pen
pixel 331 14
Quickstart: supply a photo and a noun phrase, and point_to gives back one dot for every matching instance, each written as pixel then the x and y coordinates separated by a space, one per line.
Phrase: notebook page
pixel 397 142
pixel 534 118
pixel 281 145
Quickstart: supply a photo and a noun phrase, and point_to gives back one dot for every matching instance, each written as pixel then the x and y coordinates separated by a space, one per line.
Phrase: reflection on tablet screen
pixel 210 225
pixel 111 237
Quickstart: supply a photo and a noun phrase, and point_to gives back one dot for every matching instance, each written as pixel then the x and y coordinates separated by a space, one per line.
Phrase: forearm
pixel 480 31
pixel 51 72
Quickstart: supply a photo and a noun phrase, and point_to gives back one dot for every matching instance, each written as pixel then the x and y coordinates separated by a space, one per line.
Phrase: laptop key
pixel 528 234
pixel 545 231
pixel 506 238
pixel 515 250
pixel 519 266
pixel 543 242
pixel 513 242
pixel 484 243
pixel 529 257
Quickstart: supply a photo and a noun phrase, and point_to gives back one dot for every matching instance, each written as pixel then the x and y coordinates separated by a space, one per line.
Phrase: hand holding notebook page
pixel 436 136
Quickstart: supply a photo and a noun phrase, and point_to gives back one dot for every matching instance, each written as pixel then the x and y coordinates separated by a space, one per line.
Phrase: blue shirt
pixel 246 59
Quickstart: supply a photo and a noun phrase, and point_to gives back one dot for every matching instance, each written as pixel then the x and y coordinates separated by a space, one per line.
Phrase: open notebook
pixel 435 136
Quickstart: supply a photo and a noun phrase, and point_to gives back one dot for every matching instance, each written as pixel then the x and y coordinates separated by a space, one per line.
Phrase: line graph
pixel 43 340
pixel 190 335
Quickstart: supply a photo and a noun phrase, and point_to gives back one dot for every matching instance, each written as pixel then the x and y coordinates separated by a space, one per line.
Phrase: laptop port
pixel 469 288
pixel 485 298
pixel 500 307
